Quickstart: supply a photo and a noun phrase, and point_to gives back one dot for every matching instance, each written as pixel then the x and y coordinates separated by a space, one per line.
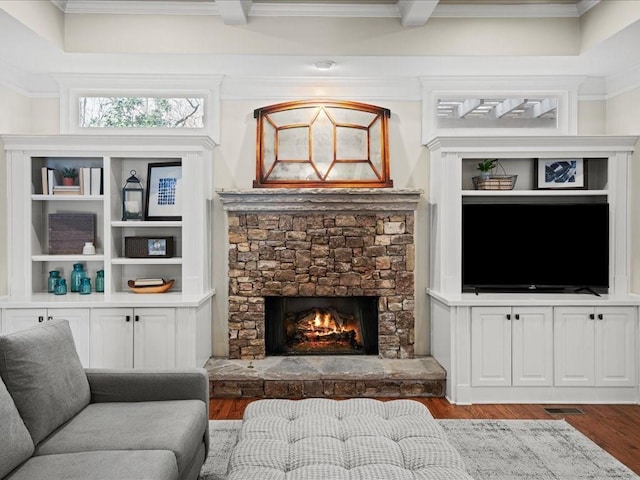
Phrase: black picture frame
pixel 561 173
pixel 164 191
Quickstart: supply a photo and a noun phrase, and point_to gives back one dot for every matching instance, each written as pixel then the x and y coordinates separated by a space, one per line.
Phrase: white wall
pixel 592 117
pixel 15 116
pixel 321 35
pixel 623 118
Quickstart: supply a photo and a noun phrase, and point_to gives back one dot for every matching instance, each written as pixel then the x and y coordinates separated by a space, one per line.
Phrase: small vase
pixel 67 181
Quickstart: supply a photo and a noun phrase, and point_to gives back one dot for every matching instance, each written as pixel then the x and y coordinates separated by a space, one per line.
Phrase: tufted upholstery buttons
pixel 355 439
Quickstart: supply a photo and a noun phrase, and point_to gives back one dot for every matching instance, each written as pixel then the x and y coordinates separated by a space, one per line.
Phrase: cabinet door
pixel 112 338
pixel 78 319
pixel 22 318
pixel 532 346
pixel 490 347
pixel 154 338
pixel 574 346
pixel 615 333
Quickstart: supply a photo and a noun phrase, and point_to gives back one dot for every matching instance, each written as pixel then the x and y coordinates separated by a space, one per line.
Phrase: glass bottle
pixel 61 287
pixel 54 276
pixel 85 286
pixel 76 277
pixel 100 281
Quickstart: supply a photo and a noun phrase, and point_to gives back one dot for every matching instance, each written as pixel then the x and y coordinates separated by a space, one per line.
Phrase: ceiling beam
pixel 415 13
pixel 508 105
pixel 547 105
pixel 466 107
pixel 234 12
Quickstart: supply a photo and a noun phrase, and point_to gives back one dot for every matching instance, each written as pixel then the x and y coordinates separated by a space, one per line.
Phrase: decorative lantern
pixel 132 198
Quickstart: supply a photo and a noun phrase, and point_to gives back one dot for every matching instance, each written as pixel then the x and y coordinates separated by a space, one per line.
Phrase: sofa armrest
pixel 114 385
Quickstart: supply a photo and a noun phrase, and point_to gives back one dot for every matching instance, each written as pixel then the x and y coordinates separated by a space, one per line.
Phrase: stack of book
pixel 148 282
pixel 66 190
pixel 90 182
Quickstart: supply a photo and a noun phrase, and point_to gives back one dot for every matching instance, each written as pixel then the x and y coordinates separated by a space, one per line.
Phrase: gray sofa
pixel 60 421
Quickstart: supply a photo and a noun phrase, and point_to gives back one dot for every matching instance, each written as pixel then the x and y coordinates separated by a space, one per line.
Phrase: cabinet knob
pixel 40 319
pixel 137 318
pixel 591 316
pixel 128 318
pixel 517 316
pixel 600 316
pixel 49 318
pixel 508 316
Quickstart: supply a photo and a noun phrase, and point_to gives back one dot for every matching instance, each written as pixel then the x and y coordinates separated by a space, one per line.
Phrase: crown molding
pixel 138 7
pixel 348 88
pixel 320 9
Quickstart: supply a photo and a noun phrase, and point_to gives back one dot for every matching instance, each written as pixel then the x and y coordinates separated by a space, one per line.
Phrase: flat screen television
pixel 535 247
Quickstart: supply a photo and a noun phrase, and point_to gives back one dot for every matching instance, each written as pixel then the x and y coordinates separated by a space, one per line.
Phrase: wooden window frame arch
pixel 265 167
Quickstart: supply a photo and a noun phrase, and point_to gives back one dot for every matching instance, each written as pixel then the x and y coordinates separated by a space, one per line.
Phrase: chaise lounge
pixel 62 421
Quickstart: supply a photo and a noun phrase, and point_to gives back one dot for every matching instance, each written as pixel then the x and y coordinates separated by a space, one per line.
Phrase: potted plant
pixel 69 175
pixel 485 167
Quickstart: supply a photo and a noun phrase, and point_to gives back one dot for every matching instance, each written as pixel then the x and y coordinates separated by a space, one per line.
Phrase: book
pixel 148 282
pixel 66 190
pixel 51 180
pixel 45 180
pixel 96 181
pixel 85 180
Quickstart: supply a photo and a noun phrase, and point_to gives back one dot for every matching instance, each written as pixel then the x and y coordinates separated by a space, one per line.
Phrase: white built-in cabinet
pixel 133 338
pixel 512 346
pixel 595 346
pixel 16 319
pixel 531 347
pixel 173 329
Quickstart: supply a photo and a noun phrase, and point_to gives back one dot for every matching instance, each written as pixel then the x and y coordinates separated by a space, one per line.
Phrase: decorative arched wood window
pixel 322 144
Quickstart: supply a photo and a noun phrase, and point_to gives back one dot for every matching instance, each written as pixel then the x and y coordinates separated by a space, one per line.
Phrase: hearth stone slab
pixel 326 376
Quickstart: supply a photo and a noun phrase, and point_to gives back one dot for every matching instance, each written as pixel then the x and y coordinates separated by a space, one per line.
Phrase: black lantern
pixel 132 198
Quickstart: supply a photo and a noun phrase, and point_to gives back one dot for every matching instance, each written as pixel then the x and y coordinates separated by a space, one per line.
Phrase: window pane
pixel 141 112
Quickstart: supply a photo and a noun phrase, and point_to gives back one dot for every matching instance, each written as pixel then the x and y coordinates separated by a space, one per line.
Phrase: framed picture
pixel 561 173
pixel 164 191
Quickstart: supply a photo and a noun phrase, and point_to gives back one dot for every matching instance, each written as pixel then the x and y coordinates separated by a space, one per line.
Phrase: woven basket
pixel 495 182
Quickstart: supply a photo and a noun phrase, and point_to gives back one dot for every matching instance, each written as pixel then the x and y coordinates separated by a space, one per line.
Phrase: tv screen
pixel 535 247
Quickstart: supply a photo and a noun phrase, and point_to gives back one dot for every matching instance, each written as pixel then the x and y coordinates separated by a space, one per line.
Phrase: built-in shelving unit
pixel 531 347
pixel 115 156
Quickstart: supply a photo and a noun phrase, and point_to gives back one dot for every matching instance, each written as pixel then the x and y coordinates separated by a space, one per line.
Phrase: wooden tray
pixel 151 289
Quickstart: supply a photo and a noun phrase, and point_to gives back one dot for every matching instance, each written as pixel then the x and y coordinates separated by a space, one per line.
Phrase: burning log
pixel 317 329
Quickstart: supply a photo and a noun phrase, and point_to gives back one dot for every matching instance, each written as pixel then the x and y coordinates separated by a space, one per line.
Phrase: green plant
pixel 487 165
pixel 68 172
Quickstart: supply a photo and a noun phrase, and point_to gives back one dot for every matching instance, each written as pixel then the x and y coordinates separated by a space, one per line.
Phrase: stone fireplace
pixel 331 250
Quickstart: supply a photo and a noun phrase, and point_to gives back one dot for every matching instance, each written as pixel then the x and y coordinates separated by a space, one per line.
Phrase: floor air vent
pixel 564 411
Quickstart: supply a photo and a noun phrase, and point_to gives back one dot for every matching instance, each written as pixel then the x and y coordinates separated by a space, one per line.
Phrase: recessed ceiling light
pixel 325 64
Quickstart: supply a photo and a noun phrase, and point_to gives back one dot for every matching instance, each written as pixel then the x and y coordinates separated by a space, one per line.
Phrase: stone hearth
pixel 322 376
pixel 321 242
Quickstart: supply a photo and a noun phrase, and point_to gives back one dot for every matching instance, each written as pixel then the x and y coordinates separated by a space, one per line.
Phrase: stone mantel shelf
pixel 320 199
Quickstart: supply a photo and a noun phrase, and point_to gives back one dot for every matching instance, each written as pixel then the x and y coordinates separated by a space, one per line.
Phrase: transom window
pixel 319 144
pixel 141 112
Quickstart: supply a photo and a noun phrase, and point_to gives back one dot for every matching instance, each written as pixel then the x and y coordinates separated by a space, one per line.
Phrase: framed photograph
pixel 561 173
pixel 164 191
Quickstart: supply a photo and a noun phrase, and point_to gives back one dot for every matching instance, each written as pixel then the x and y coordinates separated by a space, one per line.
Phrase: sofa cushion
pixel 129 464
pixel 15 442
pixel 174 425
pixel 43 374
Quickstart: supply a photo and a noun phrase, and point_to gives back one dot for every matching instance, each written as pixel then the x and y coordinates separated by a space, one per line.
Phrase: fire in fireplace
pixel 321 325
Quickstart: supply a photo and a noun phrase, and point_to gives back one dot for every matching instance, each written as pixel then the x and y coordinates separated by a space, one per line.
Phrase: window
pixel 141 112
pixel 320 144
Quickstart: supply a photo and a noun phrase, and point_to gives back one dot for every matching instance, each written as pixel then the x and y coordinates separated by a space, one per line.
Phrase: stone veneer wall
pixel 321 254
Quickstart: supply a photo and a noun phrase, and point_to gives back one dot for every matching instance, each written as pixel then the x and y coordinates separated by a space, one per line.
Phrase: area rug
pixel 491 450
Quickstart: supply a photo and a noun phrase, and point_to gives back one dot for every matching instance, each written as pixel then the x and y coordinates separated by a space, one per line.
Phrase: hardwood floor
pixel 615 428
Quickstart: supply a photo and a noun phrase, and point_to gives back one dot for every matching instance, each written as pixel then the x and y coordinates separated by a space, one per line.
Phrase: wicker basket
pixel 495 182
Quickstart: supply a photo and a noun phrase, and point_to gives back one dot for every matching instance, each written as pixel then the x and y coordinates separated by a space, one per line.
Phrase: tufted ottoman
pixel 356 439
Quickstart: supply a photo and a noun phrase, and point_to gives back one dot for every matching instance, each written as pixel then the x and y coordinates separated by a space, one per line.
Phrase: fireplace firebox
pixel 321 325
